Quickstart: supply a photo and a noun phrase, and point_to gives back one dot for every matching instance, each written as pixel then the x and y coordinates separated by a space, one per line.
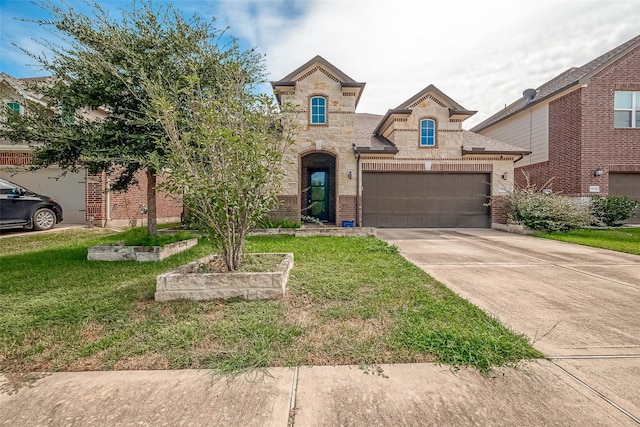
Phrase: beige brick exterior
pixel 340 139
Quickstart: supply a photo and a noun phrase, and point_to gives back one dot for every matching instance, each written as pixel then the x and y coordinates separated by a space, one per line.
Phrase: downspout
pixel 108 200
pixel 357 189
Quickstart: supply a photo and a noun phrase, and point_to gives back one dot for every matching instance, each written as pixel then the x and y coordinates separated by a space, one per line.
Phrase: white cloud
pixel 482 54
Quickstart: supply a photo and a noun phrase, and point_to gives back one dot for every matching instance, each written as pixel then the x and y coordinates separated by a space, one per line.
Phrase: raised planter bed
pixel 120 252
pixel 188 282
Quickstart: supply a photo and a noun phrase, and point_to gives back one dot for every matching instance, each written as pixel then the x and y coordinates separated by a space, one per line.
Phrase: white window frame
pixel 634 110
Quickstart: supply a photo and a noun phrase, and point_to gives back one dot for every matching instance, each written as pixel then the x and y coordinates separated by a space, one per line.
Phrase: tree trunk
pixel 152 220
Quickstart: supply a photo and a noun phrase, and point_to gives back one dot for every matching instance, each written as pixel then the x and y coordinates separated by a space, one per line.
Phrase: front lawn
pixel 350 301
pixel 617 239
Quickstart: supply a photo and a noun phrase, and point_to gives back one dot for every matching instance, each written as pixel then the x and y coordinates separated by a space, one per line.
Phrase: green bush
pixel 612 210
pixel 543 210
pixel 277 223
pixel 140 237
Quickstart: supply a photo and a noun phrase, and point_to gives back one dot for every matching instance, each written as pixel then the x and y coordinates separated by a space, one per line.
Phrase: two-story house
pixel 85 198
pixel 582 127
pixel 412 167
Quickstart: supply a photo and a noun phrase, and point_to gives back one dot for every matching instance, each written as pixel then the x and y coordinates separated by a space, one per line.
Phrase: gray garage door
pixel 626 184
pixel 405 200
pixel 68 190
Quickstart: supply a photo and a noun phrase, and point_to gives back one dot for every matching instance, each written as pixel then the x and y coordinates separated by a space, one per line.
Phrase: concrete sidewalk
pixel 536 394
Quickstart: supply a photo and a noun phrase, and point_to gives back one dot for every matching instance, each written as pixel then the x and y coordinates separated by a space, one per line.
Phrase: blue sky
pixel 483 54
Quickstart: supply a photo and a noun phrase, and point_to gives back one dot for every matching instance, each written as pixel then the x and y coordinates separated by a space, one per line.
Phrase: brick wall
pixel 288 209
pixel 346 209
pixel 15 158
pixel 565 134
pixel 498 210
pixel 124 207
pixel 603 145
pixel 538 175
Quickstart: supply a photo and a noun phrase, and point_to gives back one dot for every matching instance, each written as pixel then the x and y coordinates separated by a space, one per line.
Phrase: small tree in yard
pixel 225 148
pixel 101 62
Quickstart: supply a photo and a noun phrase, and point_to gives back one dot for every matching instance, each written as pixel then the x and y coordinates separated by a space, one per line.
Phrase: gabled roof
pixel 453 105
pixel 22 86
pixel 455 110
pixel 474 143
pixel 318 61
pixel 571 77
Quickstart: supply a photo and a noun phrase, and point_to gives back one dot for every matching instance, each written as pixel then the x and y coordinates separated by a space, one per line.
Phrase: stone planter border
pixel 185 283
pixel 513 228
pixel 120 252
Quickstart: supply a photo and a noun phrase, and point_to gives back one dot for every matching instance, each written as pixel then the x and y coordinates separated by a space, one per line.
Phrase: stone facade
pixel 349 144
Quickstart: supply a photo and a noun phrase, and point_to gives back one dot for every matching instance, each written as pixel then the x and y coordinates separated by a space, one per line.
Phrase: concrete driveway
pixel 580 306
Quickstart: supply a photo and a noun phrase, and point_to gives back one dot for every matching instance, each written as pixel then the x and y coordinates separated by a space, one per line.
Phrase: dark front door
pixel 318 196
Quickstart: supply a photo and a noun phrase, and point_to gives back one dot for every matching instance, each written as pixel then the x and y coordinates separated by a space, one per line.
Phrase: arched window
pixel 318 110
pixel 427 133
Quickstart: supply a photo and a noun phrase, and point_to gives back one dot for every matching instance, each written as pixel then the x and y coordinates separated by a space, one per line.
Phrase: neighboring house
pixel 582 127
pixel 413 167
pixel 84 198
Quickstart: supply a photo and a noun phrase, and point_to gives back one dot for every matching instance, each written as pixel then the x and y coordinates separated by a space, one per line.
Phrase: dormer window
pixel 427 133
pixel 14 106
pixel 318 110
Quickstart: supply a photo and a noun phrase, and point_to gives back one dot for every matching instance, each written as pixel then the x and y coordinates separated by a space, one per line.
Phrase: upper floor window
pixel 14 106
pixel 427 133
pixel 318 110
pixel 626 109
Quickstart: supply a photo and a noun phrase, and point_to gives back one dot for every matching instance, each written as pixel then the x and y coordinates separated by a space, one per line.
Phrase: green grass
pixel 617 239
pixel 138 236
pixel 350 301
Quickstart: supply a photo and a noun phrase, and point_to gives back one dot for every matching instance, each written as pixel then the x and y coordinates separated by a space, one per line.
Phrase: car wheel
pixel 44 219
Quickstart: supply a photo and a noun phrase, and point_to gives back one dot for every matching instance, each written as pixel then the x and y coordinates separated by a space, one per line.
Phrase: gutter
pixel 472 151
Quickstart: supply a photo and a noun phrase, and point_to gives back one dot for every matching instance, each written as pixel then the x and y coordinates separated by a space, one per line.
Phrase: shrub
pixel 612 210
pixel 543 210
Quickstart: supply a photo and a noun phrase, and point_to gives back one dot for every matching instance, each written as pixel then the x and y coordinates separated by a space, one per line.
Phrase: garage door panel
pixel 68 190
pixel 626 184
pixel 425 200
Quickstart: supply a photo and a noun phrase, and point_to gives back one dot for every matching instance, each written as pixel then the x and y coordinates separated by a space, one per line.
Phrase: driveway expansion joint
pixel 597 393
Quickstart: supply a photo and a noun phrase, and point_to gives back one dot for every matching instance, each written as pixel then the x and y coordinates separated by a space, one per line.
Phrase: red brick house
pixel 84 198
pixel 582 127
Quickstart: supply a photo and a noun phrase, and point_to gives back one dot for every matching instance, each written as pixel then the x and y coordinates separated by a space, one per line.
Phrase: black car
pixel 20 207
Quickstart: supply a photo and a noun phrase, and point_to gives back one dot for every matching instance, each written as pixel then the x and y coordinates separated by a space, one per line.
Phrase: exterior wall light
pixel 350 175
pixel 504 176
pixel 599 171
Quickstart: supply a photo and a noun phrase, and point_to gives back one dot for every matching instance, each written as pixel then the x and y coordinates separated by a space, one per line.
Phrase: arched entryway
pixel 318 187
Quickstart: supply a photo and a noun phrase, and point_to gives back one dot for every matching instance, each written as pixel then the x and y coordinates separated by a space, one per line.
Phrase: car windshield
pixel 8 187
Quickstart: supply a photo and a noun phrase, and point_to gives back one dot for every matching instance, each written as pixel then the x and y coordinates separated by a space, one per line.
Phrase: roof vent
pixel 528 95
